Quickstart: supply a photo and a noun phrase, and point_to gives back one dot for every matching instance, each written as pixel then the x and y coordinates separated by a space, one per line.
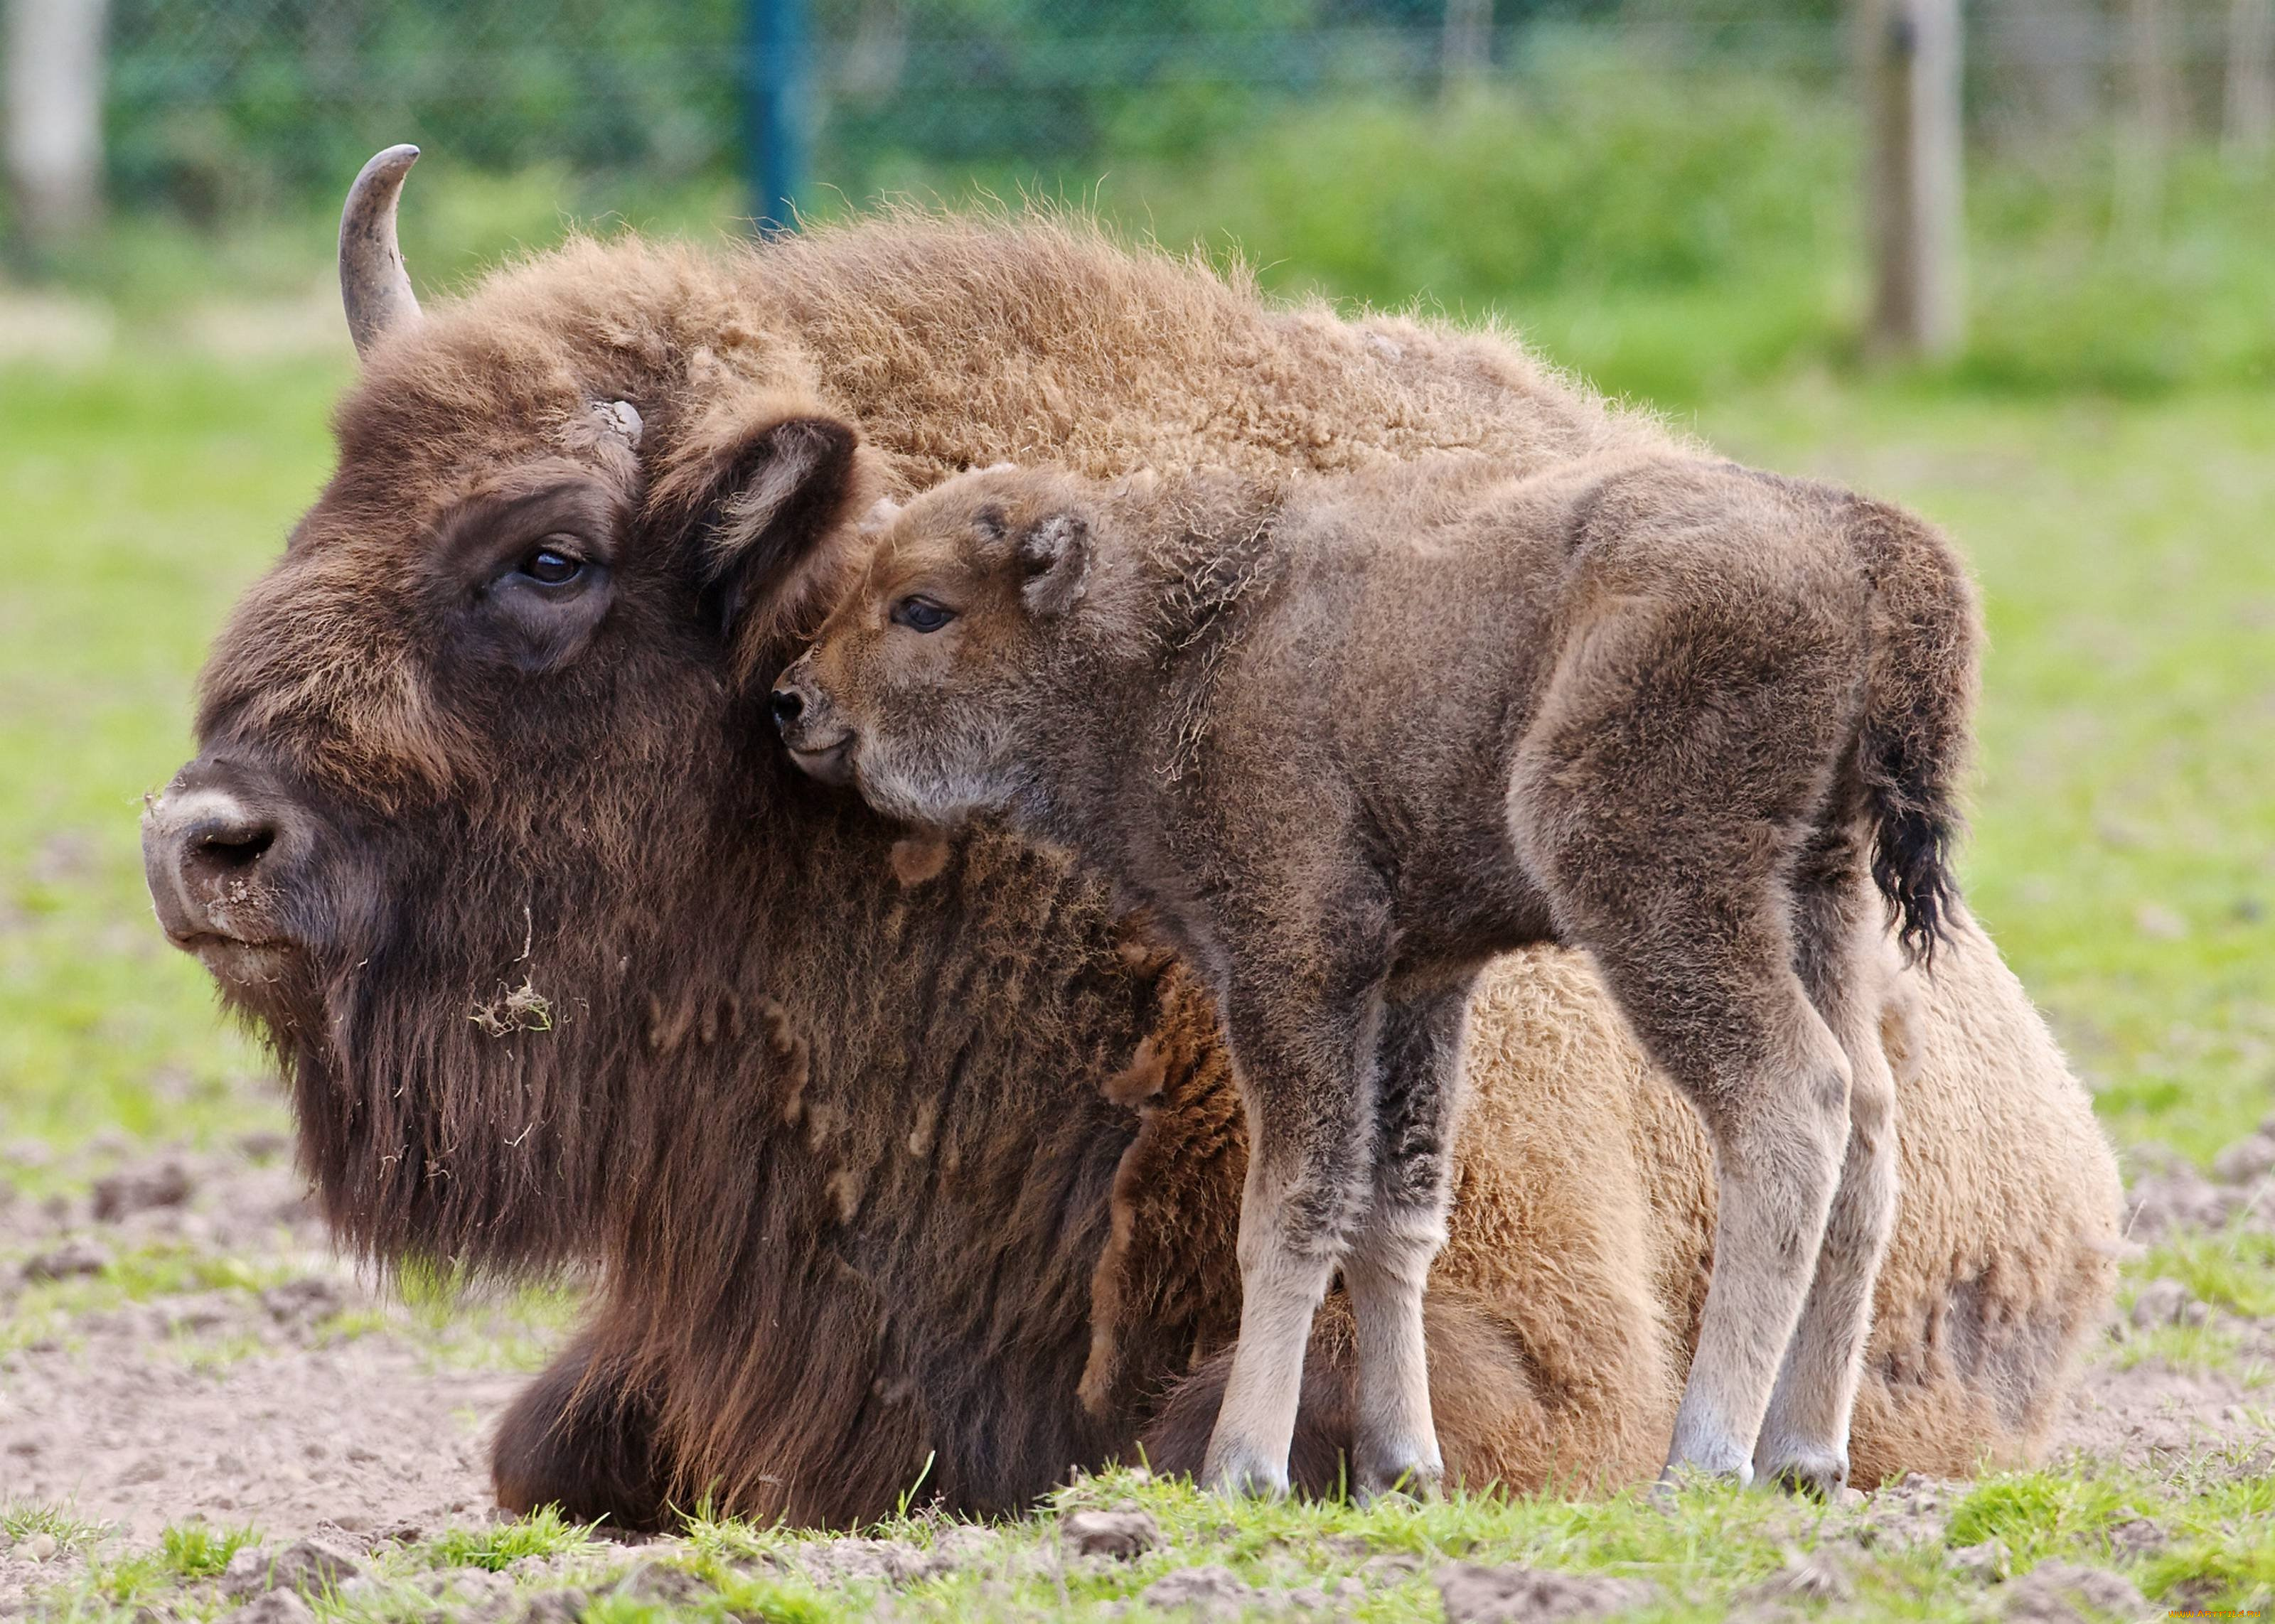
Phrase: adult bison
pixel 891 1154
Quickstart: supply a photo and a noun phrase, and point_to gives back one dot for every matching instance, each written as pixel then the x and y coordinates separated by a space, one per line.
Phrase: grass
pixel 196 1552
pixel 140 497
pixel 496 1548
pixel 1706 1549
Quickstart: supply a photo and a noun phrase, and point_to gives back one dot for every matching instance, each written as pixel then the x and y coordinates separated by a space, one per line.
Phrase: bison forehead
pixel 319 668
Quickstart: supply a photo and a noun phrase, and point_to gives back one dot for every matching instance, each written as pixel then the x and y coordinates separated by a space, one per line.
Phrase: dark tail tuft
pixel 1917 716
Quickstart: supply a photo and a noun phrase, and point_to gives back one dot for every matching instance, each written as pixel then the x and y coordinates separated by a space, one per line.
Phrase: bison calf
pixel 1349 739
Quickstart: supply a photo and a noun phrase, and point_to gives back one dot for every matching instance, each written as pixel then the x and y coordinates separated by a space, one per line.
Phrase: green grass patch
pixel 2233 1269
pixel 22 1520
pixel 1709 1550
pixel 140 498
pixel 2038 1515
pixel 195 1551
pixel 545 1532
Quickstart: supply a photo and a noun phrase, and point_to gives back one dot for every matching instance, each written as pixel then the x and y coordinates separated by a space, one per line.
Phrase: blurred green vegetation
pixel 1672 238
pixel 1670 234
pixel 140 496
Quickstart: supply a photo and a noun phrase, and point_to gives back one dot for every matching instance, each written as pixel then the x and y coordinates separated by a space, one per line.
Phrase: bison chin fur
pixel 443 1047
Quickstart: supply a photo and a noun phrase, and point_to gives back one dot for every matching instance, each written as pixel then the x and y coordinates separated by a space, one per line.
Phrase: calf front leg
pixel 1303 1067
pixel 1387 1268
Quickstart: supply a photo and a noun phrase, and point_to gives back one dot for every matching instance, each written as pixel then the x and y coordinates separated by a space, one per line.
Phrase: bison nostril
pixel 215 848
pixel 790 705
pixel 236 849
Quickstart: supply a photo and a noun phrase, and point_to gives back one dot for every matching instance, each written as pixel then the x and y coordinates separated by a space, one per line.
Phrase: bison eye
pixel 922 613
pixel 551 566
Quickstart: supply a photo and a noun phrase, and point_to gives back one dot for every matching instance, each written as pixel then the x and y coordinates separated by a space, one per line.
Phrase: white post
pixel 1467 42
pixel 54 115
pixel 2145 136
pixel 1911 56
pixel 2250 104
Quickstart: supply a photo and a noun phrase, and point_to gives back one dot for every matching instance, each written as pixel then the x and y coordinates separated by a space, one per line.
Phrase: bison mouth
pixel 828 764
pixel 235 962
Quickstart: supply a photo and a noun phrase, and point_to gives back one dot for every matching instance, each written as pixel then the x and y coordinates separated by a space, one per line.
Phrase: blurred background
pixel 2013 263
pixel 1677 193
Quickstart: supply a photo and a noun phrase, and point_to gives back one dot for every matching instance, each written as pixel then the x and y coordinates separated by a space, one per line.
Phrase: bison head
pixel 477 762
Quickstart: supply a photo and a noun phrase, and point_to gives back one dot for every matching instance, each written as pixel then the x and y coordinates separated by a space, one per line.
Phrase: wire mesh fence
pixel 213 104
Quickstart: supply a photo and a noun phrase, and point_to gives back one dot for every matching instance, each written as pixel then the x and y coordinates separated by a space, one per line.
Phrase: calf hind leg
pixel 1844 960
pixel 1669 863
pixel 1771 1085
pixel 1394 1444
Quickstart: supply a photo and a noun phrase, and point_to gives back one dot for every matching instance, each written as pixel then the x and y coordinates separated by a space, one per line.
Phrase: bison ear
pixel 767 516
pixel 1056 554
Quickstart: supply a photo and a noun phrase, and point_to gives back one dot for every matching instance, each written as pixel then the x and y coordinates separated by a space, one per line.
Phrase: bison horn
pixel 373 285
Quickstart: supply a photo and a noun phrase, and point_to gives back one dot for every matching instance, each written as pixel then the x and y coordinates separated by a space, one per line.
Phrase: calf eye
pixel 551 566
pixel 922 613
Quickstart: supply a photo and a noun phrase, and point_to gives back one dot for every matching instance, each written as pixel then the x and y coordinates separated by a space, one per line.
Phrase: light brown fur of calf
pixel 1350 738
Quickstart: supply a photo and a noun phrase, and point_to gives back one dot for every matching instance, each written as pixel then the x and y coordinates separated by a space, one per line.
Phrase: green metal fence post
pixel 777 80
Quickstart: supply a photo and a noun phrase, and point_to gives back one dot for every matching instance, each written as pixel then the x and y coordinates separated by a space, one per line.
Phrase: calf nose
pixel 790 705
pixel 200 849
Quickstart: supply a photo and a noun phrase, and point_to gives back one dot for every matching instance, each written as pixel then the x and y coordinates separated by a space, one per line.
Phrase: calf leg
pixel 1303 1067
pixel 1771 1085
pixel 1395 1443
pixel 1844 962
pixel 1662 799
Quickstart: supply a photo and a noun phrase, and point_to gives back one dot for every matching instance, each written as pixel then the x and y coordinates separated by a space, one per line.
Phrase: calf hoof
pixel 1682 1473
pixel 1413 1474
pixel 1240 1474
pixel 1820 1473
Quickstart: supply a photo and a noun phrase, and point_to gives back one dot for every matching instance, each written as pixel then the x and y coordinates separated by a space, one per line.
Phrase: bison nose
pixel 790 705
pixel 201 848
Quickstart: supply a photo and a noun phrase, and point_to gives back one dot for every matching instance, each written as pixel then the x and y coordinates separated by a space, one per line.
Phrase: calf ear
pixel 766 514
pixel 1056 553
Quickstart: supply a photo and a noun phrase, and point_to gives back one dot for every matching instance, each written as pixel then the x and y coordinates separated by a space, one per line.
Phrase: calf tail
pixel 1919 703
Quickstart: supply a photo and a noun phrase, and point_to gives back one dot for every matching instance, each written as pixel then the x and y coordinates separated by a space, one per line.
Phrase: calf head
pixel 473 752
pixel 927 685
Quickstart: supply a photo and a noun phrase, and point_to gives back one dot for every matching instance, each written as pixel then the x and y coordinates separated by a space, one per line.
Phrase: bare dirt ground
pixel 179 1348
pixel 181 1344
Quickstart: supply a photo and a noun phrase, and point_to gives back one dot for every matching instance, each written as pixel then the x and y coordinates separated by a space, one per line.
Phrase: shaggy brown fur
pixel 1348 742
pixel 834 1131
